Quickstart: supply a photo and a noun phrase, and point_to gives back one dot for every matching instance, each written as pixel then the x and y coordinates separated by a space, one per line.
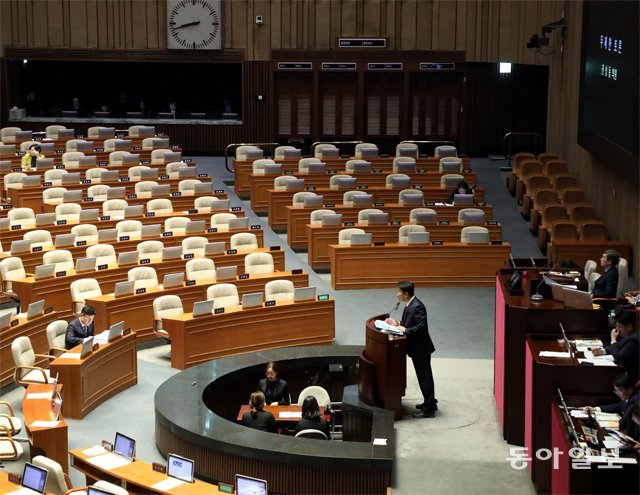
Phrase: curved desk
pixel 222 448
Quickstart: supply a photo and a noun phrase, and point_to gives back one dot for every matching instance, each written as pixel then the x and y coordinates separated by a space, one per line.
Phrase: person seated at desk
pixel 633 297
pixel 625 344
pixel 258 418
pixel 75 106
pixel 634 411
pixel 607 284
pixel 462 188
pixel 625 388
pixel 311 419
pixel 275 390
pixel 29 158
pixel 80 328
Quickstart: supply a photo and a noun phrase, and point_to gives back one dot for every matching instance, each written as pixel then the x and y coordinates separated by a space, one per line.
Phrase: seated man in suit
pixel 625 344
pixel 275 390
pixel 311 419
pixel 258 418
pixel 607 284
pixel 80 328
pixel 625 388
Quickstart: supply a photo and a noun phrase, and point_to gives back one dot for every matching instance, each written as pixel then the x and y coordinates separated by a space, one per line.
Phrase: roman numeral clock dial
pixel 194 25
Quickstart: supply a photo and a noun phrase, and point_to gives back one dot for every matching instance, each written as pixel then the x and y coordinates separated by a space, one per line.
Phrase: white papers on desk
pixel 597 362
pixel 290 414
pixel 604 357
pixel 21 315
pixel 69 355
pixel 44 424
pixel 95 450
pixel 101 338
pixel 384 326
pixel 603 416
pixel 555 354
pixel 109 461
pixel 579 414
pixel 612 443
pixel 168 484
pixel 589 342
pixel 442 204
pixel 379 441
pixel 39 395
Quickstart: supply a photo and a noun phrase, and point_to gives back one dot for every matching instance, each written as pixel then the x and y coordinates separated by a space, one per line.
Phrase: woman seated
pixel 29 158
pixel 276 391
pixel 463 188
pixel 311 419
pixel 259 419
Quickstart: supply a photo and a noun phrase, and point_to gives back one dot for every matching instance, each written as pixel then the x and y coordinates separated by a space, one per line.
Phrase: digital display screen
pixel 180 467
pixel 124 446
pixel 34 477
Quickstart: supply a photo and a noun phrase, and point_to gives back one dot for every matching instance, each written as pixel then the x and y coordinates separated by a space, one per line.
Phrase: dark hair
pixel 88 310
pixel 36 147
pixel 463 184
pixel 310 409
pixel 406 287
pixel 613 256
pixel 272 365
pixel 624 317
pixel 256 402
pixel 623 381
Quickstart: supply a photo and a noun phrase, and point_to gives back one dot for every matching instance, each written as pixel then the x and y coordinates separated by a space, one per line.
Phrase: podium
pixel 383 369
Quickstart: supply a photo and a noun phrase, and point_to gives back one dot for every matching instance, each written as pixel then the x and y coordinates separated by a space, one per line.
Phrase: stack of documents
pixel 555 354
pixel 109 461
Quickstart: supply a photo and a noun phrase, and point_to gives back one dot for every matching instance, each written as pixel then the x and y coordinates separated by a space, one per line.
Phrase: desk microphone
pixel 394 309
pixel 537 297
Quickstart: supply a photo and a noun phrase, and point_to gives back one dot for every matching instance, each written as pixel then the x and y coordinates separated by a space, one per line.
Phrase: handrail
pixel 235 145
pixel 508 137
pixel 438 142
pixel 313 146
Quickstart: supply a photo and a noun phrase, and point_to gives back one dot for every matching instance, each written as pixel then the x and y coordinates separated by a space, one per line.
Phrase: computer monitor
pixel 220 205
pixel 226 272
pixel 185 172
pixel 172 280
pixel 577 299
pixel 245 485
pixel 331 219
pixel 369 152
pixel 463 199
pixel 106 132
pixel 201 308
pixel 125 446
pixel 407 151
pixel 567 343
pixel 84 146
pixel 273 169
pixel 34 478
pixel 66 133
pixel 70 178
pixel 115 331
pixel 180 467
pixel 92 490
pixel 172 156
pixel 35 309
pixel 304 294
pixel 477 238
pixel 149 173
pixel 87 347
pixel 405 167
pixel 254 154
pixel 44 271
pixel 70 113
pixel 160 143
pixel 360 239
pixel 292 153
pixel 123 288
pixel 133 211
pixel 108 176
pixel 473 217
pixel 116 192
pixel 107 235
pixel 194 227
pixel 146 130
pixel 252 300
pixel 426 217
pixel 89 214
pixel 378 218
pixel 7 149
pixel 97 114
pixel 203 188
pixel 134 114
pixel 329 153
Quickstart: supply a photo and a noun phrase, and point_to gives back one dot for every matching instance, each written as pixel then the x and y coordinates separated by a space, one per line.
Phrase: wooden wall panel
pixel 78 24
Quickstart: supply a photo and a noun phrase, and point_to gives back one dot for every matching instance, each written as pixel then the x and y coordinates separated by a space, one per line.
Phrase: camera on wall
pixel 538 40
pixel 259 21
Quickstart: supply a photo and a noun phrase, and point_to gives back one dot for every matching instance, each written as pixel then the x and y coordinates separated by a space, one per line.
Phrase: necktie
pixel 404 312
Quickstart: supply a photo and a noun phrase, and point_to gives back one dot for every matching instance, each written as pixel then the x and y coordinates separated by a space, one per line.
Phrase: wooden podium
pixel 383 369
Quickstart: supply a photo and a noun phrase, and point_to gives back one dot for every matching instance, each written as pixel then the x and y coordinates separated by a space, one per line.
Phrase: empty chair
pixel 81 290
pixel 415 211
pixel 157 156
pixel 516 163
pixel 144 186
pixel 203 203
pixel 150 250
pixel 563 182
pixel 279 290
pixel 572 196
pixel 55 174
pixel 114 207
pixel 527 168
pixel 163 307
pixel 407 149
pixel 319 149
pixel 450 164
pixel 589 267
pixel 547 156
pixel 72 144
pixel 71 159
pixel 201 269
pixel 316 216
pixel 403 162
pixel 471 216
pixel 94 131
pixel 150 143
pixel 280 183
pixel 255 263
pixel 143 277
pixel 334 181
pixel 593 230
pixel 141 130
pixel 11 269
pixel 8 134
pixel 243 241
pixel 10 424
pixel 410 196
pixel 451 180
pixel 39 238
pixel 351 165
pixel 553 168
pixel 194 245
pixel 53 194
pixel 61 258
pixel 13 178
pixel 562 231
pixel 303 164
pixel 187 186
pixel 363 215
pixel 446 151
pixel 344 236
pixel 550 215
pixel 115 157
pixel 389 179
pixel 115 143
pixel 160 205
pixel 241 151
pixel 360 146
pixel 535 183
pixel 24 358
pixel 623 276
pixel 347 197
pixel 22 216
pixel 481 235
pixel 130 228
pixel 223 295
pixel 99 193
pixel 105 254
pixel 69 212
pixel 579 213
pixel 542 199
pixel 221 220
pixel 172 169
pixel 279 151
pixel 298 198
pixel 56 331
pixel 405 230
pixel 135 171
pixel 258 166
pixel 57 481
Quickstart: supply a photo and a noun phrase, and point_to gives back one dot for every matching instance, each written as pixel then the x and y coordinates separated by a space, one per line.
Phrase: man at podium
pixel 419 345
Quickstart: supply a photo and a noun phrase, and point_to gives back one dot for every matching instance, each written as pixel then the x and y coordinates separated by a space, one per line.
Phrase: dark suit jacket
pixel 626 353
pixel 278 393
pixel 311 424
pixel 455 191
pixel 263 420
pixel 75 334
pixel 623 408
pixel 607 284
pixel 414 319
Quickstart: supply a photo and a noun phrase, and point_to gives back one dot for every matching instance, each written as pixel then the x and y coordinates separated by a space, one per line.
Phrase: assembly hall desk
pixel 451 264
pixel 200 339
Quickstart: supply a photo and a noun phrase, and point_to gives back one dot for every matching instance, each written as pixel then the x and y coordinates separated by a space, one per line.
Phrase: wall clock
pixel 194 25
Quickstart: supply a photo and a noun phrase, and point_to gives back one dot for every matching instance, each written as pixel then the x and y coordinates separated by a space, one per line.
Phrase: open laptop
pixel 34 480
pixel 361 239
pixel 84 146
pixel 115 331
pixel 92 490
pixel 347 182
pixel 194 226
pixel 35 309
pixel 108 175
pixel 160 190
pixel 85 265
pixel 213 248
pixel 172 156
pixel 239 223
pixel 185 172
pixel 251 154
pixel 317 168
pixel 152 230
pixel 304 294
pixel 413 199
pixel 313 200
pixel 124 446
pixel 220 205
pixel 567 343
pixel 557 292
pixel 362 167
pixel 203 188
pixel 63 240
pixel 43 219
pixel 171 253
pixel 87 347
pixel 401 181
pixel 226 272
pixel 44 271
pixel 87 160
pixel 89 214
pixel 252 300
pixel 116 192
pixel 72 196
pixel 404 167
pixel 106 235
pixel 5 319
pixel 477 238
pixel 245 485
pixel 21 246
pixel 123 288
pixel 44 163
pixel 31 180
pixel 362 199
pixel 150 173
pixel 329 152
pixel 378 218
pixel 56 407
pixel 290 153
pixel 294 184
pixel 577 299
pixel 5 223
pixel 463 199
pixel 180 467
pixel 131 159
pixel 133 211
pixel 172 280
pixel 418 238
pixel 201 308
pixel 331 219
pixel 273 169
pixel 128 258
pixel 369 152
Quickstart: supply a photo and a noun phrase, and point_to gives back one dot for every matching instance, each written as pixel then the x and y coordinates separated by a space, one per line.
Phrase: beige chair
pixel 61 258
pixel 303 164
pixel 157 156
pixel 8 134
pixel 347 198
pixel 134 130
pixel 471 216
pixel 463 211
pixel 22 216
pixel 450 180
pixel 163 307
pixel 279 290
pixel 114 208
pixel 9 448
pixel 53 194
pixel 93 174
pixel 320 147
pixel 81 290
pixel 401 161
pixel 319 393
pixel 389 179
pixel 344 236
pixel 623 277
pixel 72 144
pixel 57 481
pixel 590 267
pixel 241 151
pixel 115 143
pixel 258 166
pixel 335 179
pixel 243 241
pixel 13 179
pixel 360 146
pixel 298 198
pixel 24 358
pixel 55 174
pixel 255 263
pixel 464 235
pixel 221 220
pixel 450 164
pixel 414 212
pixel 144 186
pixel 150 143
pixel 99 193
pixel 187 186
pixel 105 254
pixel 203 203
pixel 316 216
pixel 410 149
pixel 223 295
pixel 143 277
pixel 278 153
pixel 194 245
pixel 69 212
pixel 150 250
pixel 445 150
pixel 135 171
pixel 56 331
pixel 71 159
pixel 9 422
pixel 131 228
pixel 115 157
pixel 11 269
pixel 280 183
pixel 39 238
pixel 161 205
pixel 94 132
pixel 412 193
pixel 405 230
pixel 172 169
pixel 201 269
pixel 350 165
pixel 363 215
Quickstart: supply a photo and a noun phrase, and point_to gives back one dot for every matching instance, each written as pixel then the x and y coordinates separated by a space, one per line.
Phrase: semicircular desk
pixel 195 416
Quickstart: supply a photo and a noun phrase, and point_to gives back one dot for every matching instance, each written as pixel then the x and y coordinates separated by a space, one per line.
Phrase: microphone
pixel 394 309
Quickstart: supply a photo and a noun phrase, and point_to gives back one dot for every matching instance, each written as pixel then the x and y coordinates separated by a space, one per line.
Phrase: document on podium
pixel 382 325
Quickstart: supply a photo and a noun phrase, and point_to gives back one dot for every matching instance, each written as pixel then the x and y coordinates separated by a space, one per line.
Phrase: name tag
pixel 88 199
pixel 36 249
pixel 219 191
pixel 61 222
pixel 349 224
pixel 81 243
pixel 330 205
pixel 311 188
pixel 145 261
pixel 395 222
pixel 85 181
pixel 141 291
pixel 125 179
pixel 288 172
pixel 146 162
pixel 16 227
pixel 188 256
pixel 102 164
pixel 203 176
pixel 13 324
pixel 45 184
pixel 422 170
pixel 7 207
pixel 437 243
pixel 98 150
pixel 492 222
pixel 137 148
pixel 167 234
pixel 16 169
pixel 58 167
pixel 164 177
pixel 176 193
pixel 132 196
pixel 430 203
pixel 378 243
pixel 443 222
pixel 103 267
pixel 466 170
pixel 59 152
pixel 192 211
pixel 107 217
pixel 150 214
pixel 189 160
pixel 190 282
pixel 232 251
pixel 218 311
pixel 379 204
pixel 236 208
pixel 243 276
pixel 363 186
pixel 297 271
pixel 481 203
pixel 48 310
pixel 332 171
pixel 212 229
pixel 377 170
pixel 61 274
pixel 274 248
pixel 270 303
pixel 174 146
pixel 323 297
pixel 417 186
pixel 124 238
pixel 256 227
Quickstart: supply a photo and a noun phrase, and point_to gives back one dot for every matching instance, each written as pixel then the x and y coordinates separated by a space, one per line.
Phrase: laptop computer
pixel 557 292
pixel 426 217
pixel 577 299
pixel 220 205
pixel 329 153
pixel 84 146
pixel 35 309
pixel 292 153
pixel 347 182
pixel 477 238
pixel 131 159
pixel 413 199
pixel 106 235
pixel 133 211
pixel 226 272
pixel 202 188
pixel 44 163
pixel 239 223
pixel 106 132
pixel 44 271
pixel 369 152
pixel 72 196
pixel 294 184
pixel 186 172
pixel 463 199
pixel 171 253
pixel 43 219
pixel 172 156
pixel 172 280
pixel 400 181
pixel 21 246
pixel 362 199
pixel 108 176
pixel 56 407
pixel 331 219
pixel 128 258
pixel 92 490
pixel 85 265
pixel 115 331
pixel 124 446
pixel 160 190
pixel 378 218
pixel 31 180
pixel 317 168
pixel 149 173
pixel 245 485
pixel 5 223
pixel 252 154
pixel 406 166
pixel 195 226
pixel 313 201
pixel 362 167
pixel 123 288
pixel 213 248
pixel 201 308
pixel 146 130
pixel 273 169
pixel 418 238
pixel 361 239
pixel 304 294
pixel 63 240
pixel 34 480
pixel 5 319
pixel 7 149
pixel 473 217
pixel 87 160
pixel 116 192
pixel 252 300
pixel 87 347
pixel 152 230
pixel 180 467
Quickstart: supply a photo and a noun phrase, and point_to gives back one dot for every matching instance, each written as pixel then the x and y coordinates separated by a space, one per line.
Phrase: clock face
pixel 193 24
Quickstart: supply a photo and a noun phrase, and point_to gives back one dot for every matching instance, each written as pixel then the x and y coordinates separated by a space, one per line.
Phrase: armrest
pixel 608 302
pixel 78 489
pixel 56 352
pixel 75 305
pixel 35 368
pixel 10 420
pixel 45 356
pixel 5 403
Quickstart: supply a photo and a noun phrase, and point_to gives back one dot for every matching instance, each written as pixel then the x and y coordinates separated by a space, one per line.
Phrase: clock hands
pixel 195 23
